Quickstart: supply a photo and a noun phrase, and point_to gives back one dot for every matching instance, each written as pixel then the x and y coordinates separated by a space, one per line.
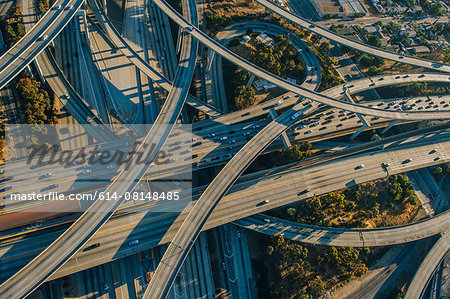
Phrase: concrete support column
pixel 284 138
pixel 390 126
pixel 250 81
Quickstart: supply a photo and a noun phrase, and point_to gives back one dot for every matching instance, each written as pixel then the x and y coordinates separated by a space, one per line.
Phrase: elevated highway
pixel 346 237
pixel 71 241
pixel 315 96
pixel 280 187
pixel 428 267
pixel 187 234
pixel 311 26
pixel 37 39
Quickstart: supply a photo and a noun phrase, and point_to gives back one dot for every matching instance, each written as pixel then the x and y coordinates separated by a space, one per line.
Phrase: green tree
pixel 374 40
pixel 437 9
pixel 437 170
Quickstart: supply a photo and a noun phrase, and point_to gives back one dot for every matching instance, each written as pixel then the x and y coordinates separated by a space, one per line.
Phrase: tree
pixel 373 71
pixel 437 170
pixel 437 9
pixel 374 40
pixel 324 48
pixel 291 212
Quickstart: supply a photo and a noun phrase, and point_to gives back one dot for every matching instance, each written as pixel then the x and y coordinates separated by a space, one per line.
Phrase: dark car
pixel 93 246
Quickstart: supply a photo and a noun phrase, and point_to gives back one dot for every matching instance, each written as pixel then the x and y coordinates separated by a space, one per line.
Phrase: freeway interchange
pixel 305 107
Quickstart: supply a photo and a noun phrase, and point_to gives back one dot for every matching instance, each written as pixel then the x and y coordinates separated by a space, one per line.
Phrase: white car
pixel 193 139
pixel 44 37
pixel 278 103
pixel 58 7
pixel 295 115
pixel 223 138
pixel 87 171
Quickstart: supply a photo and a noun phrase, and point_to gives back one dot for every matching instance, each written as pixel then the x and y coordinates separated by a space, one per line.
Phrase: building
pixel 418 49
pixel 263 84
pixel 265 39
pixel 339 8
pixel 245 39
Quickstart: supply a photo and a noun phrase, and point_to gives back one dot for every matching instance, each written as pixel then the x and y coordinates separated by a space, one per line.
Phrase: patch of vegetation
pixel 330 77
pixel 36 101
pixel 294 153
pixel 308 274
pixel 12 26
pixel 43 6
pixel 369 61
pixel 244 97
pixel 282 59
pixel 215 22
pixel 378 202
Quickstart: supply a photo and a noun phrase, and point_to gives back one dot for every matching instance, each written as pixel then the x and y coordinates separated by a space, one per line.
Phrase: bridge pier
pixel 284 138
pixel 390 126
pixel 179 39
pixel 210 60
pixel 250 81
pixel 360 57
pixel 358 132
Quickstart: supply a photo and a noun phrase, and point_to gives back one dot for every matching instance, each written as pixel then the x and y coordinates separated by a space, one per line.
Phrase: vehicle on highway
pixel 232 141
pixel 211 135
pixel 295 115
pixel 87 171
pixel 134 242
pixel 437 158
pixel 264 202
pixel 192 139
pixel 223 138
pixel 53 186
pixel 172 160
pixel 224 266
pixel 359 166
pixel 309 132
pixel 278 103
pixel 43 38
pixel 58 7
pixel 189 28
pixel 93 246
pixel 47 175
pixel 109 166
pixel 433 151
pixel 238 233
pixel 69 7
pixel 407 161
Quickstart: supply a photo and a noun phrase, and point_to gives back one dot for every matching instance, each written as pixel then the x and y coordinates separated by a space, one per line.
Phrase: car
pixel 433 151
pixel 359 166
pixel 87 171
pixel 2 171
pixel 245 114
pixel 381 79
pixel 47 175
pixel 172 160
pixel 421 76
pixel 278 103
pixel 230 148
pixel 309 132
pixel 407 161
pixel 255 126
pixel 93 246
pixel 134 242
pixel 192 139
pixel 44 37
pixel 400 57
pixel 264 202
pixel 53 186
pixel 224 266
pixel 295 115
pixel 397 77
pixel 58 7
pixel 232 141
pixel 437 158
pixel 190 28
pixel 312 26
pixel 238 233
pixel 69 7
pixel 211 135
pixel 223 138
